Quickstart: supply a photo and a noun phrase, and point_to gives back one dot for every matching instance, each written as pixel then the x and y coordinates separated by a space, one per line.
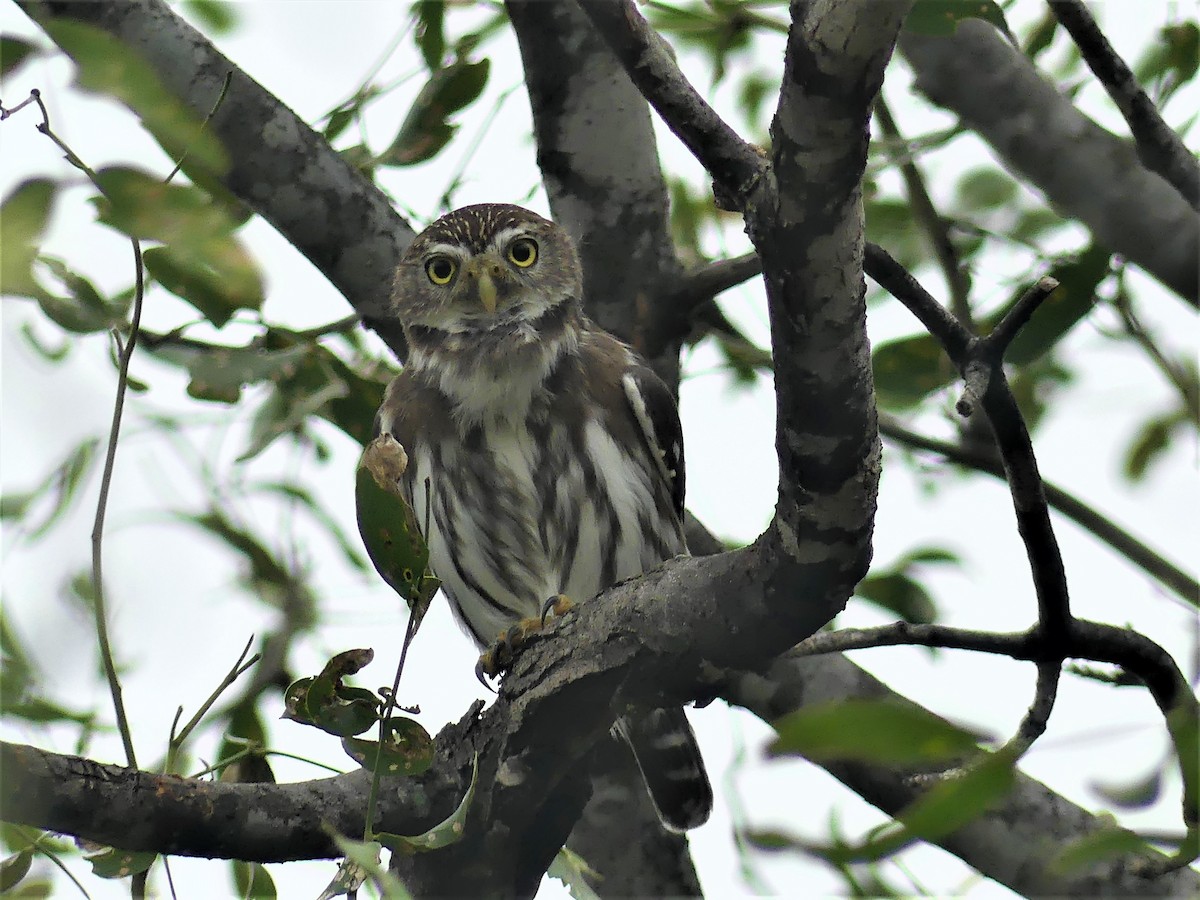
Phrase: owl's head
pixel 485 267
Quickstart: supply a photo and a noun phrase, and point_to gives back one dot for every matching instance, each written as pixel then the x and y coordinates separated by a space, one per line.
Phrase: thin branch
pixel 1158 146
pixel 936 228
pixel 899 282
pixel 1179 378
pixel 1162 570
pixel 732 162
pixel 1033 726
pixel 99 606
pixel 706 282
pixel 1014 320
pixel 242 664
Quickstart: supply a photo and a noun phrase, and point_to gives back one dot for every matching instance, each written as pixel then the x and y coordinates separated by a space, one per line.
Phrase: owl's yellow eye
pixel 440 269
pixel 523 252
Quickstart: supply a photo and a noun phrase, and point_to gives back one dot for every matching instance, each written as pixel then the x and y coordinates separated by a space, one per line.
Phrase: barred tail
pixel 665 749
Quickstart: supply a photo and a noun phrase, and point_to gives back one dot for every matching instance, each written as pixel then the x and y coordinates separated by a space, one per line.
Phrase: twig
pixel 733 163
pixel 177 739
pixel 1162 570
pixel 414 622
pixel 1015 319
pixel 1171 370
pixel 203 125
pixel 935 227
pixel 1158 146
pixel 99 606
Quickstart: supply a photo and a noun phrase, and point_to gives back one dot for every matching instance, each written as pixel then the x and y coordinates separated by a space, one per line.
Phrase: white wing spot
pixel 638 403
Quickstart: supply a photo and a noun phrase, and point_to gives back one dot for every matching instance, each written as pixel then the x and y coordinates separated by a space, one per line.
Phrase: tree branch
pixel 1013 843
pixel 1085 172
pixel 328 211
pixel 1158 146
pixel 958 282
pixel 733 163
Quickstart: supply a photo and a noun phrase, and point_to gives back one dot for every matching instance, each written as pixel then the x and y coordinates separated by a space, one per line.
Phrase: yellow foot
pixel 498 657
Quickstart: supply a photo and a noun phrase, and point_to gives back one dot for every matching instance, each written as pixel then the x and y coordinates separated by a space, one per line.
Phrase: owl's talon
pixel 558 604
pixel 481 671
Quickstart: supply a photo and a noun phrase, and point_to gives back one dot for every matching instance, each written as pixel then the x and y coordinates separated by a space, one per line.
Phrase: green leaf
pixel 106 65
pixel 253 881
pixel 572 870
pixel 1151 442
pixel 1041 35
pixel 217 277
pixel 389 526
pixel 13 52
pixel 985 189
pixel 23 218
pixel 874 731
pixel 1074 298
pixel 890 224
pixel 425 129
pixel 140 205
pixel 929 556
pixel 408 751
pixel 326 702
pixel 219 375
pixel 84 311
pixel 448 831
pixel 940 18
pixel 14 868
pixel 909 369
pixel 361 863
pixel 62 483
pixel 1174 57
pixel 220 18
pixel 1101 845
pixel 430 34
pixel 1137 794
pixel 109 862
pixel 1184 729
pixel 900 594
pixel 286 411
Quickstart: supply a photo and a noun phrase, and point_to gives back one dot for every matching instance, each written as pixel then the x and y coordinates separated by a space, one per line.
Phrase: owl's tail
pixel 666 751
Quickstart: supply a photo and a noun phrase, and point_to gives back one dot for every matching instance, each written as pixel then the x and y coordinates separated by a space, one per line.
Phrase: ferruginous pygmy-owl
pixel 553 455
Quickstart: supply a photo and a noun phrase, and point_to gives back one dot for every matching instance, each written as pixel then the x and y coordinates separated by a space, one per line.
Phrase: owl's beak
pixel 484 271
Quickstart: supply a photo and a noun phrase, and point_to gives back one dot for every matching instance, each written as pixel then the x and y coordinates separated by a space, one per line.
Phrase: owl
pixel 547 454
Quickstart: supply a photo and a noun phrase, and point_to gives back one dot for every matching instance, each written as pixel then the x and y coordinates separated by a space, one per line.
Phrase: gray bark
pixel 1084 171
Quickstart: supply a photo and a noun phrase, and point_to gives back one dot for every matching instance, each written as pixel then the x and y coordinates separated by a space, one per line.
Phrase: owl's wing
pixel 657 416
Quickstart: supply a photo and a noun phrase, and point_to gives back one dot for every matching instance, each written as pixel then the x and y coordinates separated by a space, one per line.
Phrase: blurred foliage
pixel 285 385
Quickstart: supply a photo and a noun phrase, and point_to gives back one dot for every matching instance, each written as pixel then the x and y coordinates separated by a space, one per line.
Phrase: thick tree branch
pixel 279 166
pixel 1085 172
pixel 1013 843
pixel 1158 146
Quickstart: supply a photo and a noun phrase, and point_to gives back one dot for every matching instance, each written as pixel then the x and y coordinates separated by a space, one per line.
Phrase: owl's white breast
pixel 504 537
